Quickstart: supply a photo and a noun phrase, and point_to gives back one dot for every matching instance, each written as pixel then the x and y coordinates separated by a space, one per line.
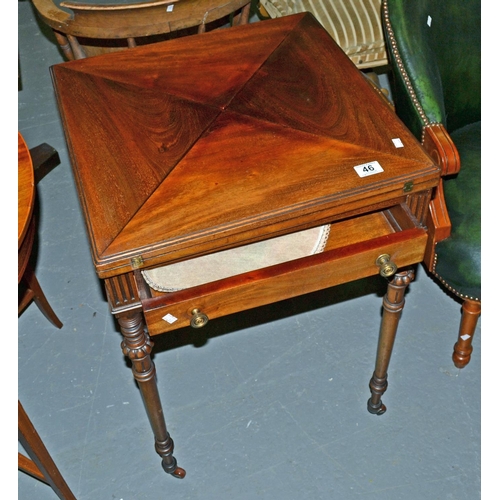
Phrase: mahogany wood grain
pixel 40 465
pixel 283 281
pixel 438 143
pixel 205 143
pixel 227 102
pixel 438 224
pixel 350 254
pixel 25 189
pixel 30 288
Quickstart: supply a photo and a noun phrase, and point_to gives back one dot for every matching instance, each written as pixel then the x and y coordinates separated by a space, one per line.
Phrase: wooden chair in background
pixel 40 465
pixel 33 165
pixel 356 25
pixel 31 168
pixel 88 29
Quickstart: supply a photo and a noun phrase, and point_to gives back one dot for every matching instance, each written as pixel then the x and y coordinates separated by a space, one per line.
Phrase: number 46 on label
pixel 367 169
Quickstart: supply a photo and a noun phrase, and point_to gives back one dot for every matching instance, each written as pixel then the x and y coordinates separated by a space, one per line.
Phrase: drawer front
pixel 265 286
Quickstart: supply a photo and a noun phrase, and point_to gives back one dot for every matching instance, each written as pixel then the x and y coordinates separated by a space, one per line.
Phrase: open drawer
pixel 351 252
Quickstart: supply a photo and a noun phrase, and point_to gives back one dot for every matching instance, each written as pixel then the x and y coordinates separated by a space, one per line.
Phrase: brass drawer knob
pixel 386 266
pixel 198 318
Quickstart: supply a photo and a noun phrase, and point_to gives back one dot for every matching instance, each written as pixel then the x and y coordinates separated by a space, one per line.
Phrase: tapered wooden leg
pixel 45 158
pixel 137 347
pixel 34 292
pixel 471 310
pixel 40 463
pixel 393 304
pixel 62 40
pixel 243 16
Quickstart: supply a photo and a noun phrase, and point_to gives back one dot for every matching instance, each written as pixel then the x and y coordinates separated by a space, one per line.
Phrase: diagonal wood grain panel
pixel 146 140
pixel 184 66
pixel 237 176
pixel 216 140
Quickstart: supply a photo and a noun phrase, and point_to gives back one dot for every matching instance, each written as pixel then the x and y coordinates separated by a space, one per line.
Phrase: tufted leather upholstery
pixel 435 52
pixel 458 259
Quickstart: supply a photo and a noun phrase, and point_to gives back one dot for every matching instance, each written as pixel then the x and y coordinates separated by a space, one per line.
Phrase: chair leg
pixel 63 42
pixel 244 16
pixel 471 310
pixel 45 158
pixel 35 292
pixel 41 464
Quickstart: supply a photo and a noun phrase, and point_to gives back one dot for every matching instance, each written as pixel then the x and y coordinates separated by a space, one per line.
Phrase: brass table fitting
pixel 198 318
pixel 386 266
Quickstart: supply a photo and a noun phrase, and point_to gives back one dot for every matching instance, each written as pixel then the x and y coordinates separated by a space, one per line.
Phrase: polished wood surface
pixel 205 143
pixel 29 288
pixel 40 464
pixel 161 206
pixel 25 189
pixel 349 255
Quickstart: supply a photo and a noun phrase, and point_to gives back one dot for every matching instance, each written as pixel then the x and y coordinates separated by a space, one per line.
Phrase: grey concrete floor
pixel 269 404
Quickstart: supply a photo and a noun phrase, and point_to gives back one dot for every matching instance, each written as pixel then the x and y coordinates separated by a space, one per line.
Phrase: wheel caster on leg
pixel 179 472
pixel 378 409
pixel 378 385
pixel 173 469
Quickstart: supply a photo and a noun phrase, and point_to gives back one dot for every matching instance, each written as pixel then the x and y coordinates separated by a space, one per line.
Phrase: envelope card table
pixel 224 171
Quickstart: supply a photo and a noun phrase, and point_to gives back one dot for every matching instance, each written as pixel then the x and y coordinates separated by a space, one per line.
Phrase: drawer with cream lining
pixel 197 290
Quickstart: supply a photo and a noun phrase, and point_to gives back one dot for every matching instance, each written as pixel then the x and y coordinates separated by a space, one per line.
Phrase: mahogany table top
pixel 215 140
pixel 25 189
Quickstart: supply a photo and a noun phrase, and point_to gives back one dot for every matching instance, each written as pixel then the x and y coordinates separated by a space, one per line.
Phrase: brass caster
pixel 173 469
pixel 179 473
pixel 378 409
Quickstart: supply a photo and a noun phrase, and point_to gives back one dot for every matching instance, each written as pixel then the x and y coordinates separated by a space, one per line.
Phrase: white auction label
pixel 366 169
pixel 169 318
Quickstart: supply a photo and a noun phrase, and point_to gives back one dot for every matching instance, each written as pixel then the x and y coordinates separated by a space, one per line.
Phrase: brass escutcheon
pixel 386 266
pixel 198 318
pixel 137 262
pixel 408 186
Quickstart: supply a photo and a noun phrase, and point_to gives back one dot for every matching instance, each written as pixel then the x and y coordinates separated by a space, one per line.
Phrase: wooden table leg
pixel 137 347
pixel 393 304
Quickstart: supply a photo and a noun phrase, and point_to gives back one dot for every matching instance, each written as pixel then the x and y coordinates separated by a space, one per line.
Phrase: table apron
pixel 283 281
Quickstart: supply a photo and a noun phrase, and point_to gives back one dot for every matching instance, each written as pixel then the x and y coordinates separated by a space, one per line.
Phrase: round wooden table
pixel 25 189
pixel 26 234
pixel 25 204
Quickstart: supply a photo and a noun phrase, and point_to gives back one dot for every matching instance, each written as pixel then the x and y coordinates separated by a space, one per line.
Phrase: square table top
pixel 215 140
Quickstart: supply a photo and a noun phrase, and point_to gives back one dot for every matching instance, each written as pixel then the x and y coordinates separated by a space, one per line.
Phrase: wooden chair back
pixel 88 29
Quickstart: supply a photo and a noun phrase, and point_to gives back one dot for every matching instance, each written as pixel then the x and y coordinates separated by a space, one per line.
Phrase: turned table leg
pixel 137 347
pixel 393 304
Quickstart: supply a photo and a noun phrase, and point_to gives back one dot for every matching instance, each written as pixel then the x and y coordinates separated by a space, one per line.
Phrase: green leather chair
pixel 435 52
